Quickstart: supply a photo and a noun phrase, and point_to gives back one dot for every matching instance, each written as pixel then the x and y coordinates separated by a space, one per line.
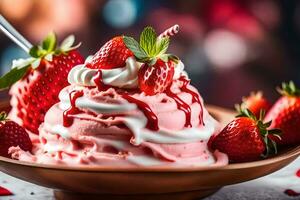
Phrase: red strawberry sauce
pixel 152 120
pixel 181 105
pixel 67 119
pixel 99 81
pixel 195 96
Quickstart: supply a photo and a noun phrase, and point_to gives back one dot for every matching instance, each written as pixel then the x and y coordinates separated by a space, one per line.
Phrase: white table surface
pixel 270 187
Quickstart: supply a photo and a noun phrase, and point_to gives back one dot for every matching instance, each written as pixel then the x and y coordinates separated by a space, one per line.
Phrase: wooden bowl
pixel 145 183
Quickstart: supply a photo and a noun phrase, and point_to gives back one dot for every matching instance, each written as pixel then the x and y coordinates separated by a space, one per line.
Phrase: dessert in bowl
pixel 109 130
pixel 127 112
pixel 129 123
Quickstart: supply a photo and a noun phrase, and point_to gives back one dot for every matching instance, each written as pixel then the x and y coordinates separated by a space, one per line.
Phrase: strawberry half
pixel 112 54
pixel 39 79
pixel 12 134
pixel 255 102
pixel 157 71
pixel 156 78
pixel 285 114
pixel 246 138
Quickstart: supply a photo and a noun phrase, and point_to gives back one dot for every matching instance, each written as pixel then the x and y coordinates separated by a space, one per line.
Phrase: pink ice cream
pixel 123 126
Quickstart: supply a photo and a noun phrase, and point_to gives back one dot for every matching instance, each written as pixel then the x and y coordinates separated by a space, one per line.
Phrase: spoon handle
pixel 14 35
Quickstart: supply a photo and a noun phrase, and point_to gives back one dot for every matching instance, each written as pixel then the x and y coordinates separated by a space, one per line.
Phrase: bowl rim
pixel 292 152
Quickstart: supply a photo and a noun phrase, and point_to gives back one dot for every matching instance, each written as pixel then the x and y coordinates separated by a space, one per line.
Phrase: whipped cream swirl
pixel 125 77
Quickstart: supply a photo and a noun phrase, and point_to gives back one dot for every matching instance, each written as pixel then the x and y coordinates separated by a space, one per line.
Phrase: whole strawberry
pixel 157 71
pixel 12 134
pixel 245 139
pixel 112 54
pixel 255 102
pixel 285 114
pixel 39 79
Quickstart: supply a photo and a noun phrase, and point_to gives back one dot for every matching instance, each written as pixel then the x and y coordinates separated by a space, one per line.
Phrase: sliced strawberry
pixel 40 79
pixel 112 54
pixel 245 138
pixel 156 78
pixel 12 134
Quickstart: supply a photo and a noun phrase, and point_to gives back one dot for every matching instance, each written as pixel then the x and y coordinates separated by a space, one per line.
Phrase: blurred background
pixel 229 47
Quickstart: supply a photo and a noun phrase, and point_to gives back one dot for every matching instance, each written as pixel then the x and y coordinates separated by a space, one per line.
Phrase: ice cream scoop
pixel 104 118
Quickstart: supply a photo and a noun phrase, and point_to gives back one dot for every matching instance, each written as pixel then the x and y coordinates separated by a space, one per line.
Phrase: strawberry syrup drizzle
pixel 152 122
pixel 195 97
pixel 67 119
pixel 181 105
pixel 99 81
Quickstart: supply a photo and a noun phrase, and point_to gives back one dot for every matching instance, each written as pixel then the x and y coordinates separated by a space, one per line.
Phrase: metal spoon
pixel 14 35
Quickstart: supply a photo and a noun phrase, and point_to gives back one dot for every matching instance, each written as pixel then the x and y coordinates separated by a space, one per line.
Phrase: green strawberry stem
pixel 289 89
pixel 150 47
pixel 271 146
pixel 45 50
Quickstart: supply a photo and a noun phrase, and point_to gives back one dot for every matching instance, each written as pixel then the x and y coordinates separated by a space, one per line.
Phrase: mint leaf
pixel 162 45
pixel 134 46
pixel 12 76
pixel 49 43
pixel 148 40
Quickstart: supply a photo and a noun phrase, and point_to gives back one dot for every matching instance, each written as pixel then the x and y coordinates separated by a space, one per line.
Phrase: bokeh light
pixel 225 49
pixel 120 13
